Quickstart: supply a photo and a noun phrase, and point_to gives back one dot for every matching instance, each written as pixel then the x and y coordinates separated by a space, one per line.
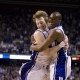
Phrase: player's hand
pixel 66 46
pixel 62 44
pixel 65 39
pixel 32 39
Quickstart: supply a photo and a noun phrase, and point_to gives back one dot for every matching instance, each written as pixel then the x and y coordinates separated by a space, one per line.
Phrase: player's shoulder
pixel 37 32
pixel 57 31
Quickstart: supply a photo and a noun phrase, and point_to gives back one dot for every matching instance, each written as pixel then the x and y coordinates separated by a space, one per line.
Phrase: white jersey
pixel 40 69
pixel 42 59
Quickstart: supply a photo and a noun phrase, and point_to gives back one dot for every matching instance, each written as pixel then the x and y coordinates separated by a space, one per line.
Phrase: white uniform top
pixel 42 60
pixel 39 71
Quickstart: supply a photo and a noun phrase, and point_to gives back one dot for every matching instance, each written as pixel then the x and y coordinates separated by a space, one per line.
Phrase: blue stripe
pixel 59 25
pixel 7 56
pixel 28 66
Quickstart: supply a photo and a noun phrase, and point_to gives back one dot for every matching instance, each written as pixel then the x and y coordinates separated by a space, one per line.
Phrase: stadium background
pixel 16 27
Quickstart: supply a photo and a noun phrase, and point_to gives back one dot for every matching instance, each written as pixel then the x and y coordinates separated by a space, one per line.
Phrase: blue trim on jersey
pixel 61 64
pixel 25 69
pixel 41 32
pixel 59 25
pixel 44 35
pixel 61 52
pixel 60 70
pixel 28 66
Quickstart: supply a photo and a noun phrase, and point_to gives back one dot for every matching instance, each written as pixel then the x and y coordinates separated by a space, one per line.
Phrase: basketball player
pixel 40 61
pixel 56 34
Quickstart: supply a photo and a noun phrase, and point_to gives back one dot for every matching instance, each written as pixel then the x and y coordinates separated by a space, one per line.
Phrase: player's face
pixel 40 23
pixel 53 21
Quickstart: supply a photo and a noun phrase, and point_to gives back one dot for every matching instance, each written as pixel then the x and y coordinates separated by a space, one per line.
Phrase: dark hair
pixel 58 15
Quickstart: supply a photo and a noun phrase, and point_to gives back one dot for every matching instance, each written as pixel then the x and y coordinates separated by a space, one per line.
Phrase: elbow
pixel 66 47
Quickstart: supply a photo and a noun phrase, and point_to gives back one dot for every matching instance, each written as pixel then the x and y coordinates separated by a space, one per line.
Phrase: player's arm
pixel 32 39
pixel 39 39
pixel 54 35
pixel 53 50
pixel 50 51
pixel 49 41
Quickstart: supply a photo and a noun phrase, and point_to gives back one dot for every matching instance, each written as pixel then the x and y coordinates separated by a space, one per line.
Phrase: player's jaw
pixel 50 24
pixel 43 27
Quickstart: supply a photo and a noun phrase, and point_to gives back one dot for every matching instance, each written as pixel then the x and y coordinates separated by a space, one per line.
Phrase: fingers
pixel 62 44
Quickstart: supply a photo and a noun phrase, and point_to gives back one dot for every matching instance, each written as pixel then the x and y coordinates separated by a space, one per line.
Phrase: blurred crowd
pixel 9 72
pixel 75 74
pixel 16 29
pixel 71 25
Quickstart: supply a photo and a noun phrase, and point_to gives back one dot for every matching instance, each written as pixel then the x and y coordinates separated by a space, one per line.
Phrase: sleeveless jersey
pixel 37 59
pixel 60 71
pixel 42 59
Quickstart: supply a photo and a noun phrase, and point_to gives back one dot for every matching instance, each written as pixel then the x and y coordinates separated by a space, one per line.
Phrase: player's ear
pixel 59 21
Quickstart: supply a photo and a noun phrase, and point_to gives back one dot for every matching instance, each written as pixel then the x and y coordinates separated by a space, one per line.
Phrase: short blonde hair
pixel 39 14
